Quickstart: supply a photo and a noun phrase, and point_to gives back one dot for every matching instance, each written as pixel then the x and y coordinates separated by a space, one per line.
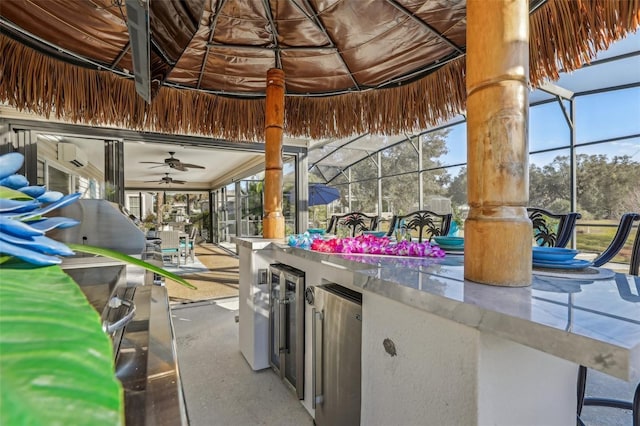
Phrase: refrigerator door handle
pixel 274 317
pixel 317 337
pixel 282 326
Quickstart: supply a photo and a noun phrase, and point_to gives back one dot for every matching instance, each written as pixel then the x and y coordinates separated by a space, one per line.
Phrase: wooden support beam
pixel 498 232
pixel 273 220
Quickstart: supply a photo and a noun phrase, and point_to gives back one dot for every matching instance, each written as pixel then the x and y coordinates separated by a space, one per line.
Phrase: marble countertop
pixel 592 320
pixel 254 243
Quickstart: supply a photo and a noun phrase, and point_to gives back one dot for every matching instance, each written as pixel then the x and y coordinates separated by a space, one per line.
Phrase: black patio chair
pixel 619 239
pixel 356 222
pixel 552 229
pixel 427 223
pixel 624 228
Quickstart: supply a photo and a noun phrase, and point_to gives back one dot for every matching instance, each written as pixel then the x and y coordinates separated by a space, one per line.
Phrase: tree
pixel 606 187
pixel 400 164
pixel 364 187
pixel 549 183
pixel 457 189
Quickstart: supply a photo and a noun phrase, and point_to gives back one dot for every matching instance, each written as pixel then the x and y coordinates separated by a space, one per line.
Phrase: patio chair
pixel 619 239
pixel 624 228
pixel 187 245
pixel 170 244
pixel 427 223
pixel 552 229
pixel 355 222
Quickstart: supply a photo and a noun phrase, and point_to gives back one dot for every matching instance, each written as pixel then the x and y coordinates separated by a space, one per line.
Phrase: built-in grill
pixel 134 308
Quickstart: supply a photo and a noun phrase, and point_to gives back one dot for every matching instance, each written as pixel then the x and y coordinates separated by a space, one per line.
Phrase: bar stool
pixel 624 228
pixel 546 232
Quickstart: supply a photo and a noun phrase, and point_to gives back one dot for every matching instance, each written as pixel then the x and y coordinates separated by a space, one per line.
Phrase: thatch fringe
pixel 564 35
pixel 417 105
pixel 30 81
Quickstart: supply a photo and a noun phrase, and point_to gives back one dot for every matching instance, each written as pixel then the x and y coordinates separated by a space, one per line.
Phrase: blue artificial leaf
pixel 14 181
pixel 38 243
pixel 28 255
pixel 50 197
pixel 17 228
pixel 10 163
pixel 50 223
pixel 67 199
pixel 17 206
pixel 33 191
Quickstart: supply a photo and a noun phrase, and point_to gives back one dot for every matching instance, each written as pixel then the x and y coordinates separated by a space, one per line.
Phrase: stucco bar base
pixel 253 333
pixel 445 373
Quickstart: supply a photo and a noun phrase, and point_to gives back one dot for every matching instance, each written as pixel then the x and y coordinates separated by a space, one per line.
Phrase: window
pixel 607 115
pixel 40 167
pixel 134 205
pixel 58 180
pixel 548 127
pixel 550 181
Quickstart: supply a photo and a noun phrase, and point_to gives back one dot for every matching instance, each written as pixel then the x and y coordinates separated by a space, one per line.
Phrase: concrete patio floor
pixel 219 386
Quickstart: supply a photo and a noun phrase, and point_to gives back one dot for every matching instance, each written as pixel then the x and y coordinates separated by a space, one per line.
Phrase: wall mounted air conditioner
pixel 68 152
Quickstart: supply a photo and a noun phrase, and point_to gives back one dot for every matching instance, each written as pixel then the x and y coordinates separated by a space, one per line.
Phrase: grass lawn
pixel 595 239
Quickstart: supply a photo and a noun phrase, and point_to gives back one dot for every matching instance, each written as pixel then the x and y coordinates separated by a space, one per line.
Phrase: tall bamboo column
pixel 273 220
pixel 497 230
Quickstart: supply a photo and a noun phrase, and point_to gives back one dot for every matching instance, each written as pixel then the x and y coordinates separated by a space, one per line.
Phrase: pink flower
pixel 370 244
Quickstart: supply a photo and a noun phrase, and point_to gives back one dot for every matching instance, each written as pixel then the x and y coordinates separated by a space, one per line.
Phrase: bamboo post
pixel 273 220
pixel 498 232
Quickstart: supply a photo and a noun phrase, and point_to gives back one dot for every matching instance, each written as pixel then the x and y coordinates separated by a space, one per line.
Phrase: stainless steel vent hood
pixel 103 224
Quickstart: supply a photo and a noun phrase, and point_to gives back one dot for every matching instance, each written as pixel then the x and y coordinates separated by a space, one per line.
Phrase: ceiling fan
pixel 167 180
pixel 174 163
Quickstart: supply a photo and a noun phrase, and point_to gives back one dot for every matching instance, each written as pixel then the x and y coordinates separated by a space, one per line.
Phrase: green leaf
pixel 56 362
pixel 112 254
pixel 12 194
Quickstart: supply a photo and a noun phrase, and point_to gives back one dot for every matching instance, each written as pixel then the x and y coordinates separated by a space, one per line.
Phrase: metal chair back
pixel 170 243
pixel 617 243
pixel 426 223
pixel 355 223
pixel 552 229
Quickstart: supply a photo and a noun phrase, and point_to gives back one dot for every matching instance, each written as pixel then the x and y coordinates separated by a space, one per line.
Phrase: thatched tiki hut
pixel 378 66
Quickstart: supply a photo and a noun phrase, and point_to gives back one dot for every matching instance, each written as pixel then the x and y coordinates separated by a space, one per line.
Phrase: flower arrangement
pixel 22 222
pixel 402 261
pixel 304 240
pixel 366 244
pixel 56 362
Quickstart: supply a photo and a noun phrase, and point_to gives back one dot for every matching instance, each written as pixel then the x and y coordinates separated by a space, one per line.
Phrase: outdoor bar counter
pixel 463 353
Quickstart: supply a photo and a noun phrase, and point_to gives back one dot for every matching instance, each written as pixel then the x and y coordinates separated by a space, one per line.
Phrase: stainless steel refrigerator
pixel 286 325
pixel 337 342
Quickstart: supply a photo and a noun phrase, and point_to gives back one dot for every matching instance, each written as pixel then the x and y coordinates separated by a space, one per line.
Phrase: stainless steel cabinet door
pixel 337 347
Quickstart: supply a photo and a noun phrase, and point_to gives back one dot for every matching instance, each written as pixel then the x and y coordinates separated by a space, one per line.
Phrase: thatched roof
pixel 351 66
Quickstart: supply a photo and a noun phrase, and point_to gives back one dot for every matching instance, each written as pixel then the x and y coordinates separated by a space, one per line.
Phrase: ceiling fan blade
pixel 181 182
pixel 192 166
pixel 150 162
pixel 179 166
pixel 155 167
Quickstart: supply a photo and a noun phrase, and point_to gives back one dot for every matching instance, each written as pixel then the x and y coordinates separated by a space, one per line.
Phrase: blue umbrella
pixel 322 194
